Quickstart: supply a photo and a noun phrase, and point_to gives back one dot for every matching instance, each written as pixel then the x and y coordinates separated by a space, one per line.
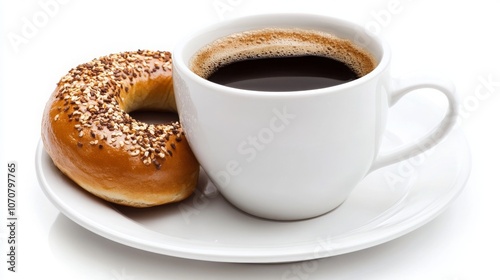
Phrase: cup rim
pixel 181 66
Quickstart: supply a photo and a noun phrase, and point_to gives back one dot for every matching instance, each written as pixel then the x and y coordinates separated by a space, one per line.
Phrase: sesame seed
pixel 92 91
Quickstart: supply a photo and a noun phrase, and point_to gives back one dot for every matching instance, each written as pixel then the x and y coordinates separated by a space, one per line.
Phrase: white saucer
pixel 388 204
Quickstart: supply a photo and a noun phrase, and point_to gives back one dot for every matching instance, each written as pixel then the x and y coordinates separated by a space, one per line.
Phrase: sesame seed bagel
pixel 90 136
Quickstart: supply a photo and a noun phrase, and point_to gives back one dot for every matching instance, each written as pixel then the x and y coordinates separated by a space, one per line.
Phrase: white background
pixel 457 39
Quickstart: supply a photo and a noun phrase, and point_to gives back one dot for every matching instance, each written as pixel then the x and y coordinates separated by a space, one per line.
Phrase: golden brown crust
pixel 88 133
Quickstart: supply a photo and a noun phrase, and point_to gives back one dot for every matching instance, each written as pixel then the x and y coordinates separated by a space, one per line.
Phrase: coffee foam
pixel 280 42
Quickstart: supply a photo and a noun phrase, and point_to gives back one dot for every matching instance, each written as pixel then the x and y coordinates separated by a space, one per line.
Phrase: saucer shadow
pixel 91 256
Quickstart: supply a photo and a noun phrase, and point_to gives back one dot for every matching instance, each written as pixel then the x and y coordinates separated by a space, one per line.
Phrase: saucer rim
pixel 126 232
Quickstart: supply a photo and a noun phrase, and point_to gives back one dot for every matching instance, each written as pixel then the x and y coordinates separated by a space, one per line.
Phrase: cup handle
pixel 400 88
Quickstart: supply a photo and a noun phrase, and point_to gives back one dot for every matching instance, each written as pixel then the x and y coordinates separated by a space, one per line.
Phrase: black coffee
pixel 281 59
pixel 284 73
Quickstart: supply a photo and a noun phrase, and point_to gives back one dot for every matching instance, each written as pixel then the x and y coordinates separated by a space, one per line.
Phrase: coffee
pixel 283 73
pixel 277 59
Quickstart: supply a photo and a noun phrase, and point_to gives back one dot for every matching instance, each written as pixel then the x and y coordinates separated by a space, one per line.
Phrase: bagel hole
pixel 154 117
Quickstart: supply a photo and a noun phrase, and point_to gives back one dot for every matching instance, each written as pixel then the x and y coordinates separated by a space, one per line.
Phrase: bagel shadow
pixel 154 117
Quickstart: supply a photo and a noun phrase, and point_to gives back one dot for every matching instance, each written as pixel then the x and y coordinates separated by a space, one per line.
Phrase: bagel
pixel 90 136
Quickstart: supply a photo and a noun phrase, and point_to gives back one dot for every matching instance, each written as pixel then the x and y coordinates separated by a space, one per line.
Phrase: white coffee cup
pixel 298 154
